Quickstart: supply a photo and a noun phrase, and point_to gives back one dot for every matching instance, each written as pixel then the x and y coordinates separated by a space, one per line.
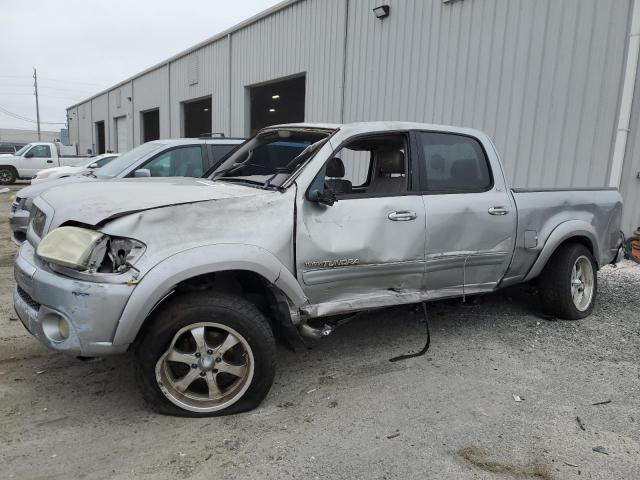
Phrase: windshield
pixel 120 164
pixel 271 157
pixel 22 150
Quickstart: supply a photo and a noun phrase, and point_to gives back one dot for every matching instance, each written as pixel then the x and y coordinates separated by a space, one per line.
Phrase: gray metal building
pixel 551 80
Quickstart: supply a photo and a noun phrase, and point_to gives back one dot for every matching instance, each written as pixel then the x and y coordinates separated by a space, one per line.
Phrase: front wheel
pixel 7 176
pixel 569 283
pixel 206 355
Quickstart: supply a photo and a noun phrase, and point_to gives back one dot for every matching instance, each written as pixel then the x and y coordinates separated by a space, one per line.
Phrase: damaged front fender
pixel 159 281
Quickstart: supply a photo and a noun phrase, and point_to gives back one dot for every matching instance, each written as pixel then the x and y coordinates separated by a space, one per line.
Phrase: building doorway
pixel 150 121
pixel 196 118
pixel 100 139
pixel 277 102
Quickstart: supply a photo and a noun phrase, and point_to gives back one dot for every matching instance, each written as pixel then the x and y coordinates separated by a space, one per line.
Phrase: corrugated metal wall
pixel 306 37
pixel 151 91
pixel 542 77
pixel 121 107
pixel 212 79
pixel 100 109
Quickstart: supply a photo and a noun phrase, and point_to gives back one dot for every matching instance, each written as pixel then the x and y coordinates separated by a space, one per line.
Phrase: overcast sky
pixel 83 46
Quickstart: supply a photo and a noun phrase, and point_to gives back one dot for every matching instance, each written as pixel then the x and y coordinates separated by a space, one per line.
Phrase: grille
pixel 27 299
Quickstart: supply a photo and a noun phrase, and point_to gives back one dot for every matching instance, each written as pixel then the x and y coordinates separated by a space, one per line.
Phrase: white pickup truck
pixel 33 157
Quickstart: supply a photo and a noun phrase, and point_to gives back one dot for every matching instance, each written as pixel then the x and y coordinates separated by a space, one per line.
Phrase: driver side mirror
pixel 326 197
pixel 142 173
pixel 93 165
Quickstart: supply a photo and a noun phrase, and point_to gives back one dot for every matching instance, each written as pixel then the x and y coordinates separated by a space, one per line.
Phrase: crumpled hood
pixel 94 202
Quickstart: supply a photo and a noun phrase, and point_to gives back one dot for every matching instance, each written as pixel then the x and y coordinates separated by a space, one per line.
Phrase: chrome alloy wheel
pixel 207 367
pixel 582 281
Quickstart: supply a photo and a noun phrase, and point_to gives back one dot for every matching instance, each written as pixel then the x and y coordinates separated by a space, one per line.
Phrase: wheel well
pixel 582 240
pixel 251 286
pixel 10 167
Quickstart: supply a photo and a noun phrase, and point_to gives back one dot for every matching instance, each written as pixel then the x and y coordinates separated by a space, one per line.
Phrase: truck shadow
pixel 106 388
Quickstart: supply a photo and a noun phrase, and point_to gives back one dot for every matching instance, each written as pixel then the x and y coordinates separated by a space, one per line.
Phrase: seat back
pixel 335 177
pixel 390 173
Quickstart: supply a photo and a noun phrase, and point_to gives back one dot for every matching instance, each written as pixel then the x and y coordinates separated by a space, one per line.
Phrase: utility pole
pixel 35 84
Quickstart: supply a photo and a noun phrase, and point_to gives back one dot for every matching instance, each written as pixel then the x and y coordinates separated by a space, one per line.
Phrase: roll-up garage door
pixel 122 141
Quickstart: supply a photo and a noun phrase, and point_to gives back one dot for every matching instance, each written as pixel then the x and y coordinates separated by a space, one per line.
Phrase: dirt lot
pixel 342 410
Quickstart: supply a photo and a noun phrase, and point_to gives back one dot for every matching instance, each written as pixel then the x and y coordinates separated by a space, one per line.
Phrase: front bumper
pixel 19 223
pixel 92 310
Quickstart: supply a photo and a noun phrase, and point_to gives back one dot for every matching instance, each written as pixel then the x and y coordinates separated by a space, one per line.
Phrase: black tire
pixel 555 282
pixel 189 309
pixel 8 175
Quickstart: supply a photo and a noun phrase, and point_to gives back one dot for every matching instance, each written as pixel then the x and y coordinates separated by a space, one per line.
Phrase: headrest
pixel 335 168
pixel 391 162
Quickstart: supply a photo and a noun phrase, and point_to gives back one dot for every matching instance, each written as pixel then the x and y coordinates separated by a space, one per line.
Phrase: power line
pixel 59 80
pixel 73 81
pixel 26 119
pixel 61 89
pixel 74 98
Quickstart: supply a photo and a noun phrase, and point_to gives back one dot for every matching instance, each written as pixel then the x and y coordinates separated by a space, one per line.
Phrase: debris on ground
pixel 600 449
pixel 570 464
pixel 602 403
pixel 518 398
pixel 394 435
pixel 477 457
pixel 333 404
pixel 580 424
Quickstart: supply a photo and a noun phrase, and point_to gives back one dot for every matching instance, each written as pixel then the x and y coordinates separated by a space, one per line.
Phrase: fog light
pixel 63 328
pixel 55 327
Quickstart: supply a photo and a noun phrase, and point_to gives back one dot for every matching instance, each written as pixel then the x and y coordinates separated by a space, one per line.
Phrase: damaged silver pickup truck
pixel 200 276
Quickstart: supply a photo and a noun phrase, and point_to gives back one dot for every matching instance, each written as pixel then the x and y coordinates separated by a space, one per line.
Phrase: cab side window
pixel 40 151
pixel 179 162
pixel 375 166
pixel 454 164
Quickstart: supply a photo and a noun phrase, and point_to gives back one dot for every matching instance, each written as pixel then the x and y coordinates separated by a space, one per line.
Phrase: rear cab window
pixel 453 163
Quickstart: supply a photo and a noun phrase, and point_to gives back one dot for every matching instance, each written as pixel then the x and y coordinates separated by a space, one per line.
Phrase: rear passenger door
pixel 471 219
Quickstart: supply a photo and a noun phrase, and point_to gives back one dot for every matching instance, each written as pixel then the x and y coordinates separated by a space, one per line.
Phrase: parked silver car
pixel 199 276
pixel 162 158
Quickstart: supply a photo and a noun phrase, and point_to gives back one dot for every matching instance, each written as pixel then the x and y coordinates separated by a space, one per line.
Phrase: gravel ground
pixel 342 410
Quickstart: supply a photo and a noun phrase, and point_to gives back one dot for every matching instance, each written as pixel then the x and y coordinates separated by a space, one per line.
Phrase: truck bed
pixel 545 214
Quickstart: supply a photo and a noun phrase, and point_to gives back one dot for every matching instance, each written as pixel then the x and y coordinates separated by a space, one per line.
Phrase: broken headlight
pixel 88 250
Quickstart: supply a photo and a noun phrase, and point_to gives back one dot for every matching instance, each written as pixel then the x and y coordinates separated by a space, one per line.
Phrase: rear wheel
pixel 569 284
pixel 8 176
pixel 206 355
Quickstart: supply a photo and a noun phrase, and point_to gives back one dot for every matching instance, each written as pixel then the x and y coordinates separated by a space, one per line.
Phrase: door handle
pixel 49 161
pixel 498 211
pixel 403 216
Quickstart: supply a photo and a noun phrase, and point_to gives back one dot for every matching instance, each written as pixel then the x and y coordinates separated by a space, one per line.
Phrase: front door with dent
pixel 370 243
